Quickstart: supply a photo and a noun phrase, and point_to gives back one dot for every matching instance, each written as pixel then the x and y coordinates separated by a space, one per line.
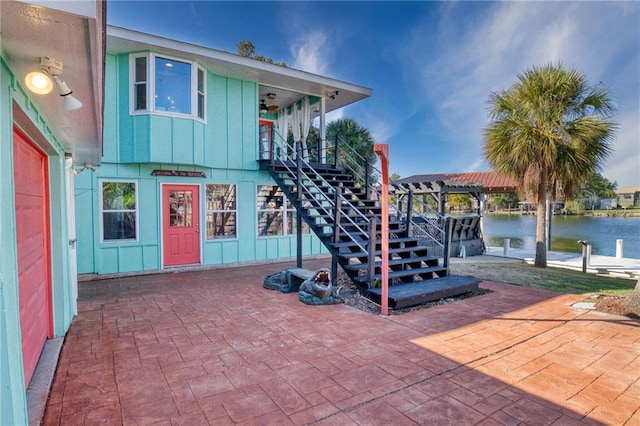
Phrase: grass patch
pixel 568 281
pixel 554 279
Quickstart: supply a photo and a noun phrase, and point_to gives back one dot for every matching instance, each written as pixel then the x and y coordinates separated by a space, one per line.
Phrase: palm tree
pixel 549 131
pixel 358 138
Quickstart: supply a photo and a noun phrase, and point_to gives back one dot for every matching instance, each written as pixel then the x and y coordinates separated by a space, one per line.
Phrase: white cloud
pixel 460 62
pixel 311 52
pixel 624 165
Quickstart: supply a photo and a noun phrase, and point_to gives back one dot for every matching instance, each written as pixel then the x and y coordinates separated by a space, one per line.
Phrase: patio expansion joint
pixel 463 365
pixel 586 386
pixel 635 413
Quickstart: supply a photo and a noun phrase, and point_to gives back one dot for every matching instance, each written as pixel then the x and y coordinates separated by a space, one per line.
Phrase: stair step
pixel 404 273
pixel 415 293
pixel 392 243
pixel 291 170
pixel 420 250
pixel 392 262
pixel 346 181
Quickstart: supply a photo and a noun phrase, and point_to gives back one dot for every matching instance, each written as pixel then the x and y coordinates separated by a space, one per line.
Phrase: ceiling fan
pixel 270 108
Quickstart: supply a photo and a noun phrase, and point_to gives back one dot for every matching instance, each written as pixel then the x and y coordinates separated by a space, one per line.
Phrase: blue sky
pixel 431 65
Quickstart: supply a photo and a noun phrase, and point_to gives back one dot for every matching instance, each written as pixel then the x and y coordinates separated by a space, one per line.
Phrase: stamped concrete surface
pixel 214 348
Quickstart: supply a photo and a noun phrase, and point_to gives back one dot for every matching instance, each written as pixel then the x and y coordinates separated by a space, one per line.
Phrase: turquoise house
pixel 123 152
pixel 180 182
pixel 47 49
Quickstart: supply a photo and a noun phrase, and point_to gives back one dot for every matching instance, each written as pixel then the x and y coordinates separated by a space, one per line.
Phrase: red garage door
pixel 32 227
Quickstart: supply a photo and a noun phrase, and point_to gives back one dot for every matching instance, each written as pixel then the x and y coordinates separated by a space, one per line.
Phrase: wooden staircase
pixel 348 222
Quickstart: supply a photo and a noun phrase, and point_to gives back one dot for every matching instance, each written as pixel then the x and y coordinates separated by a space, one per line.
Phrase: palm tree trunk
pixel 541 219
pixel 541 235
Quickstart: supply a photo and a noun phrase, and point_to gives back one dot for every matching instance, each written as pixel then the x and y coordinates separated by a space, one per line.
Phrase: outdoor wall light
pixel 69 103
pixel 39 82
pixel 87 166
pixel 332 94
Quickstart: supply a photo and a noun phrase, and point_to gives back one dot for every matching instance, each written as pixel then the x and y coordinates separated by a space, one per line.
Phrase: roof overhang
pixel 73 32
pixel 290 85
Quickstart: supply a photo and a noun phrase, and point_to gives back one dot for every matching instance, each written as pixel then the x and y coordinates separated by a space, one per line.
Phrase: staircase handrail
pixel 280 142
pixel 359 171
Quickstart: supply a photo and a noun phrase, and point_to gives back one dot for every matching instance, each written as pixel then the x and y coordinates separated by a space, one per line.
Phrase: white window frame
pixel 285 215
pixel 207 211
pixel 102 211
pixel 151 87
pixel 133 88
pixel 199 93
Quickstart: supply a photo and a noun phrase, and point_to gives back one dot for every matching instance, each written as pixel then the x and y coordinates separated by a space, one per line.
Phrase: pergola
pixel 438 189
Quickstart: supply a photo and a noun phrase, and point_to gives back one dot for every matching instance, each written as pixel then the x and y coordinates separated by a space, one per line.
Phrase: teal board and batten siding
pixel 145 254
pixel 17 107
pixel 224 148
pixel 227 140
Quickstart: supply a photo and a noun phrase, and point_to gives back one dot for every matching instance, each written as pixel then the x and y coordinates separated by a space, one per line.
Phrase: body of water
pixel 601 232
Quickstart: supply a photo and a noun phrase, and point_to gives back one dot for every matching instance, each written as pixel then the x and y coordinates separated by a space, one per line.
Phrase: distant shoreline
pixel 613 213
pixel 592 213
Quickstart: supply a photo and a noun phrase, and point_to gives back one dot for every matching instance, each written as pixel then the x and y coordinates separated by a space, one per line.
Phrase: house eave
pixel 122 41
pixel 72 32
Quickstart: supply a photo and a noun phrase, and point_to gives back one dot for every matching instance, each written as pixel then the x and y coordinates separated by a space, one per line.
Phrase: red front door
pixel 32 229
pixel 181 224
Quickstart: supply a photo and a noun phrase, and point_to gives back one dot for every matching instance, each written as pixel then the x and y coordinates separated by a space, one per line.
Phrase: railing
pixel 421 220
pixel 427 226
pixel 329 203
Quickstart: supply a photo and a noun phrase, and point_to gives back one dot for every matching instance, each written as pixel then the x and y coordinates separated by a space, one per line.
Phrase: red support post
pixel 382 151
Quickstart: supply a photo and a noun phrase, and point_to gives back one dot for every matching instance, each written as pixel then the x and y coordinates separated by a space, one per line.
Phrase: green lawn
pixel 568 281
pixel 555 279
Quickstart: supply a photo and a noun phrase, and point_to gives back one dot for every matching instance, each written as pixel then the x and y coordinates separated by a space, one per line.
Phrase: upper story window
pixel 168 86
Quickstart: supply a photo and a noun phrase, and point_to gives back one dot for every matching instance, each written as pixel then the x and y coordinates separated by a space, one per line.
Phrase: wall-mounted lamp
pixel 39 82
pixel 332 93
pixel 69 103
pixel 87 166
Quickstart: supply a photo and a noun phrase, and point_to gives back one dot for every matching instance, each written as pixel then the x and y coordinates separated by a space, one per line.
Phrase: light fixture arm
pixel 62 86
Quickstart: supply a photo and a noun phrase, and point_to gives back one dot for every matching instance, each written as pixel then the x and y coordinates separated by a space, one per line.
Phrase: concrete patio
pixel 214 347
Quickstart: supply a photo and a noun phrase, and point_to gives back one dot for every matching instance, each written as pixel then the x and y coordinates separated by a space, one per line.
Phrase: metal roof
pixel 489 181
pixel 628 190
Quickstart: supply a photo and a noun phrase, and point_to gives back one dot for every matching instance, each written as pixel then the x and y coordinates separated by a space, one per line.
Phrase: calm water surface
pixel 601 232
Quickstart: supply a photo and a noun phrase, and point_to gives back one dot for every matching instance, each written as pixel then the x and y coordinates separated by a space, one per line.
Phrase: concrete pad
pixel 214 347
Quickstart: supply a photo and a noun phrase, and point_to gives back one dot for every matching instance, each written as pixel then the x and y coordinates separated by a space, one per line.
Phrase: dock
pixel 601 265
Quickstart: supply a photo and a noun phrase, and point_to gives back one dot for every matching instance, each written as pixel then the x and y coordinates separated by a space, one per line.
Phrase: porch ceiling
pixel 288 84
pixel 73 33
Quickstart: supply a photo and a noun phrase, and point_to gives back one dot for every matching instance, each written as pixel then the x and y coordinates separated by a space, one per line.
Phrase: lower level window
pixel 276 215
pixel 119 211
pixel 221 212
